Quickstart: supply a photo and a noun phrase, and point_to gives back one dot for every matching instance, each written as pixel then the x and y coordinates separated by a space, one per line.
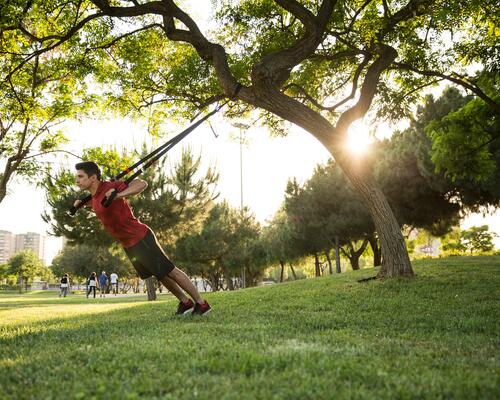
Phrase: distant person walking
pixel 64 285
pixel 103 284
pixel 92 283
pixel 114 282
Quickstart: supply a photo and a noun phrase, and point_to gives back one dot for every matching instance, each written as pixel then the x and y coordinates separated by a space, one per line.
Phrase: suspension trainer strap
pixel 154 156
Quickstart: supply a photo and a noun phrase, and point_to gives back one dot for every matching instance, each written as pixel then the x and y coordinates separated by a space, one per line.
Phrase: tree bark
pixel 316 265
pixel 327 255
pixel 151 288
pixel 282 270
pixel 229 281
pixel 377 255
pixel 395 259
pixel 293 271
pixel 337 254
pixel 354 254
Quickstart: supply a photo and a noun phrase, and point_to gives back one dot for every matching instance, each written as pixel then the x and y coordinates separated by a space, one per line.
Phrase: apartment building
pixel 7 245
pixel 31 241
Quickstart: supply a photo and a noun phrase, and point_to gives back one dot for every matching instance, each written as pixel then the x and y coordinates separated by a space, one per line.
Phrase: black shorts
pixel 148 258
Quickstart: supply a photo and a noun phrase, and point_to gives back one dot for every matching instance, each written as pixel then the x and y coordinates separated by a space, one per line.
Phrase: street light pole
pixel 241 173
pixel 241 127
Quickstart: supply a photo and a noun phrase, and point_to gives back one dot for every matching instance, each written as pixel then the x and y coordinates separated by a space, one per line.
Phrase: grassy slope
pixel 436 336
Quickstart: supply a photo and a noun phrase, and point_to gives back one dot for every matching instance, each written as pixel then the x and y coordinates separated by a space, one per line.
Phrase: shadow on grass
pixel 426 305
pixel 20 302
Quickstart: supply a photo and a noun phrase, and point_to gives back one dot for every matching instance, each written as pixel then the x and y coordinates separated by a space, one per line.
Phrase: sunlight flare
pixel 359 138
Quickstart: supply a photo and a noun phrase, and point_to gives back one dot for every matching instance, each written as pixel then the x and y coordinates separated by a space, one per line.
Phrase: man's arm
pixel 134 187
pixel 78 202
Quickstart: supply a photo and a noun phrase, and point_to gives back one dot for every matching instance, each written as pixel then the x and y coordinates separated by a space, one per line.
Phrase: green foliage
pixel 462 142
pixel 433 337
pixel 271 47
pixel 25 265
pixel 81 260
pixel 462 186
pixel 4 271
pixel 414 198
pixel 226 242
pixel 475 240
pixel 478 240
pixel 325 209
pixel 278 239
pixel 451 243
pixel 36 94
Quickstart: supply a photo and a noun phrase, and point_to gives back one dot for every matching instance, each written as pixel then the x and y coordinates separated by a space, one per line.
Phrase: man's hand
pixel 111 195
pixel 77 203
pixel 110 192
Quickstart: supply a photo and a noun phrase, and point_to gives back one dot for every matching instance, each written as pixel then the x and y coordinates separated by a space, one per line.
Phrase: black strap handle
pixel 72 211
pixel 106 201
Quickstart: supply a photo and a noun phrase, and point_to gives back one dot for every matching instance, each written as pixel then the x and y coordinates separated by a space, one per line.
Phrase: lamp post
pixel 241 126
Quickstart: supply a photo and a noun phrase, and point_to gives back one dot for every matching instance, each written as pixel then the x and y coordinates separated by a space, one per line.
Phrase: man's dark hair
pixel 90 168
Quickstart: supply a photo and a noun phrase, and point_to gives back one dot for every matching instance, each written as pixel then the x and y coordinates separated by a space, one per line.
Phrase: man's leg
pixel 174 288
pixel 185 283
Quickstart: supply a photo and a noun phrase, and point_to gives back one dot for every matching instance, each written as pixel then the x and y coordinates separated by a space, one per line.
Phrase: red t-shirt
pixel 118 218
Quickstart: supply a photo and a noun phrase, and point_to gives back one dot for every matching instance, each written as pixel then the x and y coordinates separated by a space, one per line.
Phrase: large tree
pixel 327 213
pixel 25 265
pixel 45 90
pixel 223 247
pixel 81 260
pixel 317 64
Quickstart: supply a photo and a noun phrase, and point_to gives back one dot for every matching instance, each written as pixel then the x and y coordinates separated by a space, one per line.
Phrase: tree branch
pixel 368 90
pixel 473 88
pixel 275 68
pixel 354 89
pixel 303 14
pixel 62 39
pixel 125 35
pixel 305 94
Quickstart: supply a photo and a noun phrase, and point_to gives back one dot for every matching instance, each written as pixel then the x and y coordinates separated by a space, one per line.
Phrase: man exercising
pixel 138 240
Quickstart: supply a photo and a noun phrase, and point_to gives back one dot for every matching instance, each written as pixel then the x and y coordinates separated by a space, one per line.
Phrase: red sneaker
pixel 201 309
pixel 184 308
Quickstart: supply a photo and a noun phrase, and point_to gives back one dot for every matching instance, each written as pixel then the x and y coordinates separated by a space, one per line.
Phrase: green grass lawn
pixel 435 336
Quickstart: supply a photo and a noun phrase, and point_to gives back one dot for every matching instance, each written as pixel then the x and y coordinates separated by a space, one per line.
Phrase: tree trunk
pixel 327 254
pixel 293 271
pixel 263 94
pixel 316 264
pixel 282 270
pixel 395 259
pixel 337 255
pixel 229 281
pixel 354 254
pixel 377 255
pixel 214 281
pixel 151 288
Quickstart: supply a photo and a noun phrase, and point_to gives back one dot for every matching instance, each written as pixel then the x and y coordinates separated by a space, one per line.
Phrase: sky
pixel 267 164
